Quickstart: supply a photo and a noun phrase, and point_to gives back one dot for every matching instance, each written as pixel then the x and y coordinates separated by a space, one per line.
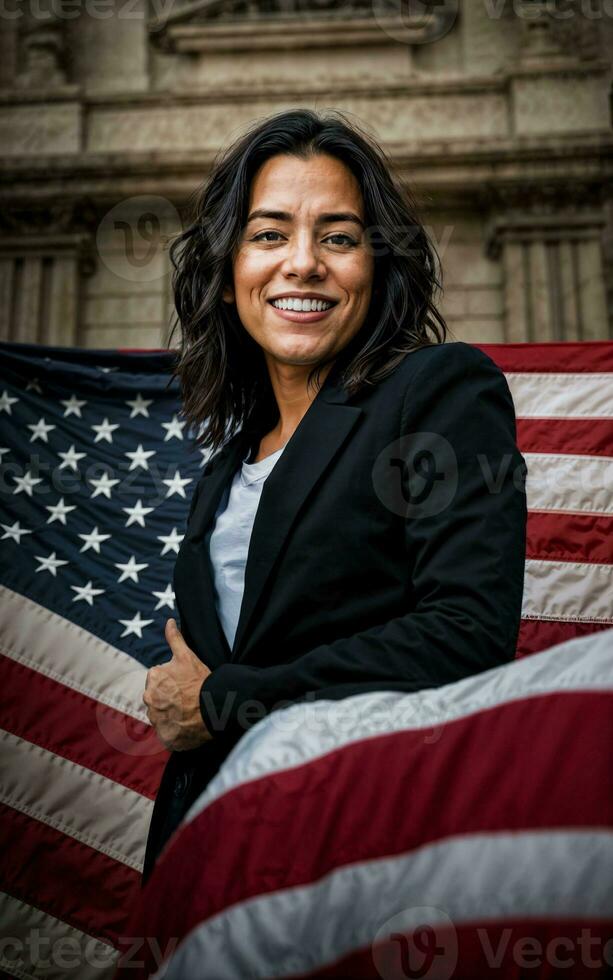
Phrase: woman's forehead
pixel 283 182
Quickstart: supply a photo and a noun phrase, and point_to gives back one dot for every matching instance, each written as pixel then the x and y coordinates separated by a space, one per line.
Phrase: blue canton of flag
pixel 97 475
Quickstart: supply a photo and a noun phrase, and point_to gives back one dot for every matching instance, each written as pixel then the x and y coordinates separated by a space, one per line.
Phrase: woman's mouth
pixel 301 315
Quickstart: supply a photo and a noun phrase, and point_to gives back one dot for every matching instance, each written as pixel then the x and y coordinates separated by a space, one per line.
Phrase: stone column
pixel 553 272
pixel 42 259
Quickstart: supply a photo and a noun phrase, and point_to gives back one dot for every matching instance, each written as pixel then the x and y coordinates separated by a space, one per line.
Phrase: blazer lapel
pixel 196 540
pixel 321 432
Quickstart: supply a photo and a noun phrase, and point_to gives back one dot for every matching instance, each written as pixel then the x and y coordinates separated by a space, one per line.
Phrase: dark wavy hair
pixel 222 371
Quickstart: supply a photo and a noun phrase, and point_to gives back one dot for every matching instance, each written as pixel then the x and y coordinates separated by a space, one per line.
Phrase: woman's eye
pixel 347 240
pixel 259 237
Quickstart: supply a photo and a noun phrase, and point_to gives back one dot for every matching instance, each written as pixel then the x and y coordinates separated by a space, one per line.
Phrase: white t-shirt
pixel 229 540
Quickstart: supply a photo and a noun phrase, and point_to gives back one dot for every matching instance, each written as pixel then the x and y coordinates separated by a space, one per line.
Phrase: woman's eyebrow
pixel 325 218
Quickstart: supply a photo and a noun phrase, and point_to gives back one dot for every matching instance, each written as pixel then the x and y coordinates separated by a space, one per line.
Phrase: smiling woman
pixel 300 205
pixel 347 534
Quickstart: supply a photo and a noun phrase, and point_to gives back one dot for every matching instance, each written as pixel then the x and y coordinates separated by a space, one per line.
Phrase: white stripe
pixel 42 640
pixel 74 800
pixel 568 591
pixel 562 396
pixel 561 482
pixel 64 952
pixel 481 877
pixel 300 733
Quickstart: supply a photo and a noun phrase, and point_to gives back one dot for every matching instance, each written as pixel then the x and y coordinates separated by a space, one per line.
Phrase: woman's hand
pixel 172 695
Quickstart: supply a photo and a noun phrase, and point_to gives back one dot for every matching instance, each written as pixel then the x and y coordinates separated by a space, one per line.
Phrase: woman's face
pixel 297 247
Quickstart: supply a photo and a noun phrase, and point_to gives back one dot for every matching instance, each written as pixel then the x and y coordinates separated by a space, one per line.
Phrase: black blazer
pixel 387 553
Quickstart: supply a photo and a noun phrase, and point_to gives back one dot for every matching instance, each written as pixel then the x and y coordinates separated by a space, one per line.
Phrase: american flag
pixel 97 473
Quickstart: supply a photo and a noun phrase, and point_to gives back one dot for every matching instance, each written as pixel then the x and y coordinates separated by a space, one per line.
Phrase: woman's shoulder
pixel 458 355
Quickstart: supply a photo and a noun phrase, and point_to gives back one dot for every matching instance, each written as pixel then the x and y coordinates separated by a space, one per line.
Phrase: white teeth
pixel 301 305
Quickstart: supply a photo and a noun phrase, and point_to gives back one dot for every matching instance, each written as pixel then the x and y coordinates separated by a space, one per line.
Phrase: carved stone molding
pixel 549 243
pixel 43 53
pixel 48 219
pixel 45 251
pixel 236 25
pixel 542 209
pixel 551 30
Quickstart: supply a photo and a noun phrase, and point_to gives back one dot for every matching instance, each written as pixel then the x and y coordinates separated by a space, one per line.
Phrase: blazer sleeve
pixel 465 553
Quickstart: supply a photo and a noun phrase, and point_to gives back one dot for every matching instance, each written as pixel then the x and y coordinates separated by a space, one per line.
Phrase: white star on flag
pixel 137 513
pixel 13 531
pixel 33 385
pixel 139 406
pixel 103 485
pixel 59 511
pixel 71 458
pixel 135 625
pixel 40 430
pixel 139 457
pixel 86 592
pixel 105 430
pixel 49 564
pixel 171 541
pixel 6 401
pixel 205 455
pixel 26 483
pixel 73 406
pixel 130 569
pixel 173 428
pixel 176 484
pixel 93 539
pixel 167 598
pixel 3 450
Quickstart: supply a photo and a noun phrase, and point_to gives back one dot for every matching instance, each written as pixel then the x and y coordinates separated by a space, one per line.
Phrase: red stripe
pixel 81 729
pixel 581 437
pixel 569 537
pixel 67 879
pixel 531 947
pixel 293 827
pixel 540 634
pixel 575 358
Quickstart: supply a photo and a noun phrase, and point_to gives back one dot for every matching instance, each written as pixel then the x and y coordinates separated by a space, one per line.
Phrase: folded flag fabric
pixel 97 471
pixel 400 835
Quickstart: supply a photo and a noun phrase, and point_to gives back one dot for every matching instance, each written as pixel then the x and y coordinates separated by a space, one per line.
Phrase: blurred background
pixel 497 114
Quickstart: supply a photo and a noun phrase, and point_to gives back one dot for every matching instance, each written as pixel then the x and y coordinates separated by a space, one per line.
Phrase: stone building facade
pixel 496 113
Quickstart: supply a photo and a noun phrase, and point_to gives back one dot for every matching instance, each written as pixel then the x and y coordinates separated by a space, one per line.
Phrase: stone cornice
pixel 488 173
pixel 292 34
pixel 415 84
pixel 196 27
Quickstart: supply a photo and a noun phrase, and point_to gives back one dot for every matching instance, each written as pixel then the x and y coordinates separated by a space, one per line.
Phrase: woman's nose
pixel 304 258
